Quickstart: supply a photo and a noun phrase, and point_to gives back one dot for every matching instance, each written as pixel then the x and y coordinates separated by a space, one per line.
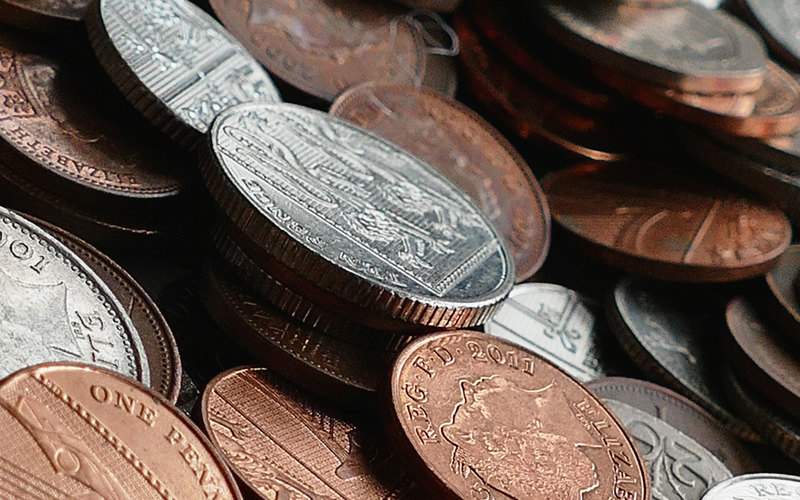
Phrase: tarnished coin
pixel 55 308
pixel 762 359
pixel 284 445
pixel 779 23
pixel 44 16
pixel 556 323
pixel 684 46
pixel 648 221
pixel 59 132
pixel 784 296
pixel 464 148
pixel 767 486
pixel 668 335
pixel 76 431
pixel 174 63
pixel 323 48
pixel 480 417
pixel 325 203
pixel 689 476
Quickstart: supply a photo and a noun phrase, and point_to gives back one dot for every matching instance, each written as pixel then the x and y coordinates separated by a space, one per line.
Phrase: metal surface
pixel 767 486
pixel 47 17
pixel 779 23
pixel 784 296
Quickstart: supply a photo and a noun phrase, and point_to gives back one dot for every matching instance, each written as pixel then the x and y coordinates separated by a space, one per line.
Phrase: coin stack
pixel 382 308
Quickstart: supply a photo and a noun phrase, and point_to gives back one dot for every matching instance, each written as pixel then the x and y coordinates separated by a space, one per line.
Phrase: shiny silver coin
pixel 766 486
pixel 329 205
pixel 53 307
pixel 175 63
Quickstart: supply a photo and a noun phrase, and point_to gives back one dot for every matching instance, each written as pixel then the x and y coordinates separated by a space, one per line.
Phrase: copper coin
pixel 461 146
pixel 322 47
pixel 778 21
pixel 479 417
pixel 57 130
pixel 680 413
pixel 784 298
pixel 44 16
pixel 772 110
pixel 782 153
pixel 757 486
pixel 284 445
pixel 668 335
pixel 340 371
pixel 762 358
pixel 530 112
pixel 646 221
pixel 683 47
pixel 75 431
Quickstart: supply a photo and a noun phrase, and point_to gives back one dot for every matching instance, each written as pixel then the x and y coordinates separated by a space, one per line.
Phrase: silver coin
pixel 53 307
pixel 779 21
pixel 756 486
pixel 175 63
pixel 680 468
pixel 554 322
pixel 356 216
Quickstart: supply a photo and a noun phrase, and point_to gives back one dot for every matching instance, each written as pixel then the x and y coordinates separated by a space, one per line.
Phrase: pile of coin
pixel 361 294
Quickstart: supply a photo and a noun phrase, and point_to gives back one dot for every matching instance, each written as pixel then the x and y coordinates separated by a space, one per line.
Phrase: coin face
pixel 663 226
pixel 778 21
pixel 684 46
pixel 464 148
pixel 56 308
pixel 479 417
pixel 322 47
pixel 556 323
pixel 282 444
pixel 75 431
pixel 756 485
pixel 362 217
pixel 175 63
pixel 696 470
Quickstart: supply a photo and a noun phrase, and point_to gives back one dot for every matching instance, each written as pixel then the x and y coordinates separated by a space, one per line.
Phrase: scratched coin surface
pixel 56 129
pixel 684 46
pixel 464 148
pixel 767 486
pixel 680 468
pixel 324 47
pixel 649 221
pixel 479 417
pixel 175 63
pixel 55 308
pixel 779 23
pixel 44 15
pixel 364 221
pixel 555 323
pixel 284 445
pixel 77 431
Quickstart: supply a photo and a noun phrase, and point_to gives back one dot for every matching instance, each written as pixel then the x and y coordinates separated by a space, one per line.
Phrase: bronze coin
pixel 284 445
pixel 75 431
pixel 441 47
pixel 465 149
pixel 44 16
pixel 323 47
pixel 782 153
pixel 647 221
pixel 762 359
pixel 783 298
pixel 680 413
pixel 340 371
pixel 479 417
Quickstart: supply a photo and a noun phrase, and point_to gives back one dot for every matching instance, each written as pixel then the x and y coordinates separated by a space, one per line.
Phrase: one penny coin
pixel 784 297
pixel 283 444
pixel 44 16
pixel 756 485
pixel 76 431
pixel 650 222
pixel 480 417
pixel 464 148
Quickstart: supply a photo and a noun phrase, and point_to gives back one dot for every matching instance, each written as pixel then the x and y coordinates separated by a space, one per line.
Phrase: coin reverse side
pixel 766 486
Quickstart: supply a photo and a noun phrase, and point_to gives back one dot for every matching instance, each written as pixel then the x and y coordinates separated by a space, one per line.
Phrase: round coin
pixel 555 323
pixel 174 63
pixel 656 440
pixel 756 486
pixel 44 16
pixel 680 413
pixel 282 444
pixel 461 146
pixel 779 22
pixel 683 47
pixel 784 297
pixel 646 221
pixel 76 431
pixel 55 308
pixel 479 417
pixel 364 221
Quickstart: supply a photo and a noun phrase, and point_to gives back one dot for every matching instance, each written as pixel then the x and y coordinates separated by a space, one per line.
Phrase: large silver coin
pixel 53 307
pixel 176 64
pixel 764 486
pixel 779 22
pixel 680 468
pixel 554 322
pixel 355 217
